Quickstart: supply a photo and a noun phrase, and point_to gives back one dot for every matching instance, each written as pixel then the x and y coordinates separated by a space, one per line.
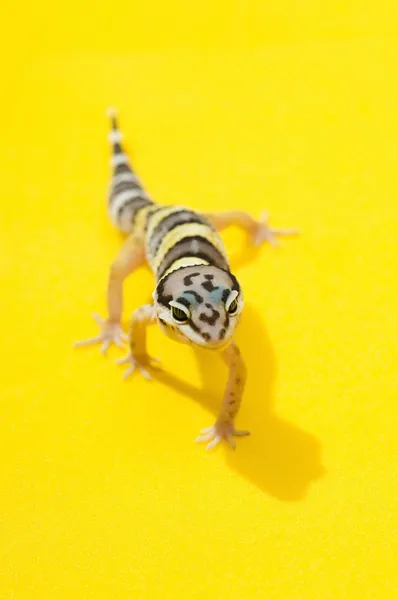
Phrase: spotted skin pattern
pixel 196 301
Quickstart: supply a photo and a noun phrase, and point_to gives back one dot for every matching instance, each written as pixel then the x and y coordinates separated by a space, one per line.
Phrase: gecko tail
pixel 126 194
pixel 115 137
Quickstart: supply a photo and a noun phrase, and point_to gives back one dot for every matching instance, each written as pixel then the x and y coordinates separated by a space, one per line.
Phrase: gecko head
pixel 199 305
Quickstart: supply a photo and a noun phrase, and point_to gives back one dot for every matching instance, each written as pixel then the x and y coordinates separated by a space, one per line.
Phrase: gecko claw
pixel 218 432
pixel 111 333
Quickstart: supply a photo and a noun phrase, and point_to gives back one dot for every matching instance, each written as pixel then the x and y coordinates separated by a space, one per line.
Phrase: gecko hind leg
pixel 259 231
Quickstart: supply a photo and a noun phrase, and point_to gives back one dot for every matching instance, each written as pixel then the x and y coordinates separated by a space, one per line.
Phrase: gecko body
pixel 196 301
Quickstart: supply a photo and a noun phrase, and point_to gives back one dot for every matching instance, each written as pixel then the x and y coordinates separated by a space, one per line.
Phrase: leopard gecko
pixel 196 301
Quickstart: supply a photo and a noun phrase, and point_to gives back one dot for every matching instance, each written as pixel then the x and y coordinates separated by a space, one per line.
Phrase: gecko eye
pixel 179 313
pixel 233 307
pixel 231 304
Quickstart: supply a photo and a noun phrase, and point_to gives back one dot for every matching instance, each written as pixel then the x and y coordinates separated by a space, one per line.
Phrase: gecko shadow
pixel 279 458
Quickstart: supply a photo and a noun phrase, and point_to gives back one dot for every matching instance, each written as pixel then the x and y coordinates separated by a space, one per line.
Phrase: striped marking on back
pixel 187 261
pixel 126 198
pixel 187 230
pixel 128 214
pixel 169 223
pixel 158 217
pixel 142 215
pixel 191 247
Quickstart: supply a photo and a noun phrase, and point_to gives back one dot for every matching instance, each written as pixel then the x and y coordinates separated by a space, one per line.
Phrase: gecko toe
pixel 205 437
pixel 214 442
pixel 231 442
pixel 98 318
pixel 219 432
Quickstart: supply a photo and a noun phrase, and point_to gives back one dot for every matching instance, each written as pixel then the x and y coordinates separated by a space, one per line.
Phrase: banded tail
pixel 126 196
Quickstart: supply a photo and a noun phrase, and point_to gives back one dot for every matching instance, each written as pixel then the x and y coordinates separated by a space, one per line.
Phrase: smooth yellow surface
pixel 289 106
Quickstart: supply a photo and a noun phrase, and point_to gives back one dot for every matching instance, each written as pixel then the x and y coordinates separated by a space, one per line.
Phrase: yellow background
pixel 289 106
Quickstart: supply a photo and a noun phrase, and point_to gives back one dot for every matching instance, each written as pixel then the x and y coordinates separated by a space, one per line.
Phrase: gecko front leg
pixel 130 257
pixel 138 356
pixel 224 428
pixel 259 231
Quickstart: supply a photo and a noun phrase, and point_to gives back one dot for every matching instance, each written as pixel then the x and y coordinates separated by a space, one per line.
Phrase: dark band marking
pixel 205 336
pixel 197 329
pixel 213 318
pixel 163 298
pixel 225 295
pixel 135 205
pixel 123 186
pixel 122 168
pixel 188 278
pixel 235 285
pixel 150 214
pixel 170 222
pixel 198 297
pixel 222 333
pixel 184 302
pixel 183 248
pixel 209 287
pixel 226 321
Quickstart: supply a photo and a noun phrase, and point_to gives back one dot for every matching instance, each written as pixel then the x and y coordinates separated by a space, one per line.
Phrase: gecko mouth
pixel 208 345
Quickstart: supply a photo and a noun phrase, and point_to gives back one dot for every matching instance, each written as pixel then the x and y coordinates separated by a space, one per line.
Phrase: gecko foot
pixel 141 362
pixel 264 233
pixel 218 432
pixel 111 333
